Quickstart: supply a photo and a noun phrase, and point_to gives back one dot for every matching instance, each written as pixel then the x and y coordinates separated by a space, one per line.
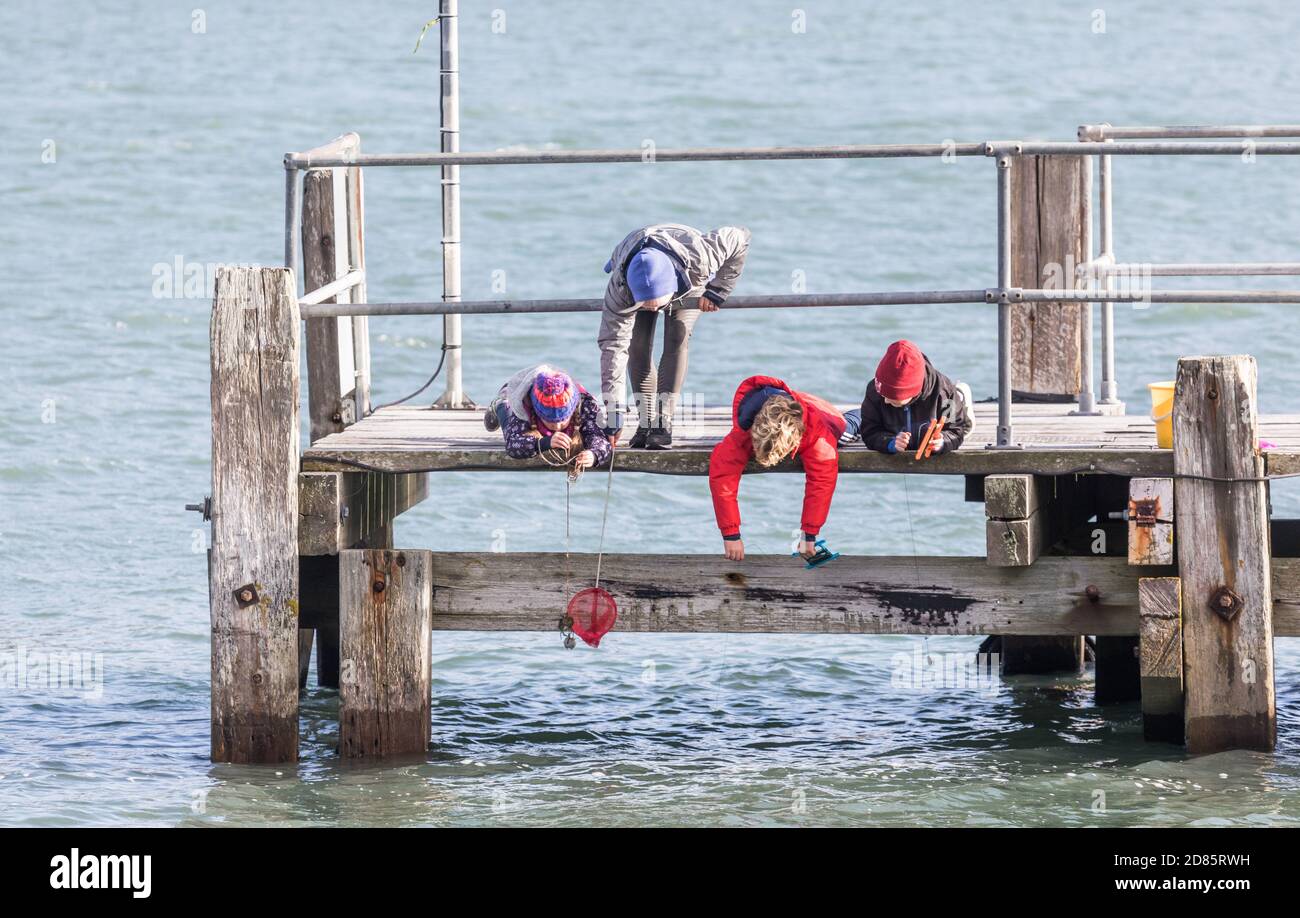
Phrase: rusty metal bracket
pixel 1225 603
pixel 1144 512
pixel 246 595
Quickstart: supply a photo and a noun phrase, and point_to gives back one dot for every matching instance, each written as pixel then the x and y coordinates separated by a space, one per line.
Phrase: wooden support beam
pixel 1118 675
pixel 1223 557
pixel 384 633
pixel 694 460
pixel 336 393
pixel 1047 232
pixel 341 510
pixel 253 563
pixel 1161 658
pixel 852 595
pixel 1016 530
pixel 1151 521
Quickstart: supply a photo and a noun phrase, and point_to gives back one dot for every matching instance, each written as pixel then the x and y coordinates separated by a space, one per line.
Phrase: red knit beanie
pixel 901 372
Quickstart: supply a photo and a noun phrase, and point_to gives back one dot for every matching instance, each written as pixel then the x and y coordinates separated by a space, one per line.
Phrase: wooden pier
pixel 1167 559
pixel 303 546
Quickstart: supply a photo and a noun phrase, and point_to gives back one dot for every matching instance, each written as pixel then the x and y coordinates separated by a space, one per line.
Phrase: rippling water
pixel 167 145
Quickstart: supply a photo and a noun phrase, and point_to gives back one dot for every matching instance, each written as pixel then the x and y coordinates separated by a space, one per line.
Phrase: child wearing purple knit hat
pixel 542 408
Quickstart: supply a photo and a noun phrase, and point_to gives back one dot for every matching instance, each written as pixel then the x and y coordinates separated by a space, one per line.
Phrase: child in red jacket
pixel 771 422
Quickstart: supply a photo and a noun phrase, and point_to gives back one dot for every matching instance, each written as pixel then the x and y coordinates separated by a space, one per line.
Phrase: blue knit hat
pixel 554 397
pixel 650 275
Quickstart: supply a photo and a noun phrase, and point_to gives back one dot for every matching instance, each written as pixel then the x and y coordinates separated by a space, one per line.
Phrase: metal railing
pixel 1102 141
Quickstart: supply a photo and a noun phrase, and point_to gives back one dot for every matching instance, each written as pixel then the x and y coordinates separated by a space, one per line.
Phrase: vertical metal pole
pixel 1004 304
pixel 453 395
pixel 1087 400
pixel 1108 387
pixel 292 195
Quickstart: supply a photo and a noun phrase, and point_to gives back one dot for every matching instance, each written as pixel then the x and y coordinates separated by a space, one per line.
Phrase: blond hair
pixel 777 430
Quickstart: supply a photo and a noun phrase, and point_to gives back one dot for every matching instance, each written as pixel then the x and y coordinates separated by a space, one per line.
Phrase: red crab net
pixel 592 613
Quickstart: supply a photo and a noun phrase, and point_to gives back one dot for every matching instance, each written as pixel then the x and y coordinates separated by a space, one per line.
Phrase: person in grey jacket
pixel 668 268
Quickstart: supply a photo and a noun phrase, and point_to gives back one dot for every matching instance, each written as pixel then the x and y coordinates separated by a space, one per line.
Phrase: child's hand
pixel 560 440
pixel 807 549
pixel 901 441
pixel 707 305
pixel 586 459
pixel 734 548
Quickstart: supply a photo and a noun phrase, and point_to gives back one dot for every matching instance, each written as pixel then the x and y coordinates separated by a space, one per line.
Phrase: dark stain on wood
pixel 916 607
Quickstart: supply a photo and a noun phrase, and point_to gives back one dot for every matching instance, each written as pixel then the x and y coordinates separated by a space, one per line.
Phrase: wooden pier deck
pixel 409 439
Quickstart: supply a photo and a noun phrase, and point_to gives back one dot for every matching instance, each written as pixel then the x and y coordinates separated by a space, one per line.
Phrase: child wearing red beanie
pixel 905 396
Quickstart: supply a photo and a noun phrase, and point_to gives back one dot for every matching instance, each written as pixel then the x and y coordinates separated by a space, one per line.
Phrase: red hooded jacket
pixel 818 450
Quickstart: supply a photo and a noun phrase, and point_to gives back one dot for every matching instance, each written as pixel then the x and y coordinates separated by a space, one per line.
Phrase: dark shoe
pixel 659 438
pixel 639 438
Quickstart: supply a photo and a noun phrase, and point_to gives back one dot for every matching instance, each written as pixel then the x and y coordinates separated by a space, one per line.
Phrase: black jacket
pixel 881 421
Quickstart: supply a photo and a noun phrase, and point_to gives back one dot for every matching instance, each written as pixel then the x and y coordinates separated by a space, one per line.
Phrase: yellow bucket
pixel 1162 412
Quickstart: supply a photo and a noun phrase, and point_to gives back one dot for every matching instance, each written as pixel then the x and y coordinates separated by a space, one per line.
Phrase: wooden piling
pixel 1048 220
pixel 385 620
pixel 337 348
pixel 1161 654
pixel 253 569
pixel 1223 557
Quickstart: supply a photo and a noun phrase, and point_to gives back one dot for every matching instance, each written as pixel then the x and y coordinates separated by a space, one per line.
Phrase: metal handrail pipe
pixel 1155 296
pixel 1197 269
pixel 1157 148
pixel 701 154
pixel 517 307
pixel 1103 131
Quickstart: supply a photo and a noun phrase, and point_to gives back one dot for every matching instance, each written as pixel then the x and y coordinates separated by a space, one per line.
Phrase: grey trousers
pixel 657 389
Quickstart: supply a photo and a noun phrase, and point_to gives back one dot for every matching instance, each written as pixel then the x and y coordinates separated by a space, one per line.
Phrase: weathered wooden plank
pixel 331 364
pixel 253 569
pixel 409 456
pixel 1161 658
pixel 384 638
pixel 862 595
pixel 1047 218
pixel 1223 545
pixel 319 600
pixel 341 510
pixel 1118 675
pixel 1151 521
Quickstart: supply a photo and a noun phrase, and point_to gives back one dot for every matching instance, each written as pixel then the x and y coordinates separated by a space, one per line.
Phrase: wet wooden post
pixel 253 564
pixel 385 623
pixel 1223 557
pixel 1048 226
